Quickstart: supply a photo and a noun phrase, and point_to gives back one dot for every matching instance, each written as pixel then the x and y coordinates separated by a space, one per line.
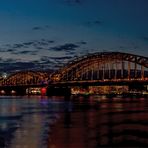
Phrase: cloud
pixel 70 53
pixel 2 50
pixel 21 50
pixel 26 52
pixel 17 46
pixel 65 47
pixel 39 43
pixel 29 47
pixel 37 28
pixel 23 65
pixel 72 2
pixel 50 41
pixel 10 50
pixel 10 65
pixel 45 59
pixel 54 62
pixel 145 38
pixel 61 58
pixel 82 43
pixel 9 60
pixel 92 23
pixel 28 43
pixel 47 26
pixel 39 48
pixel 98 22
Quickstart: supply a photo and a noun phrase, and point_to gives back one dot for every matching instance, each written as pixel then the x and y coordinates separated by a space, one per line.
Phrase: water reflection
pixel 73 122
pixel 25 122
pixel 119 122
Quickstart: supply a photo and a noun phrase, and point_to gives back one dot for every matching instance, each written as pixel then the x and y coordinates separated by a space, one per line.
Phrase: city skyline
pixel 45 34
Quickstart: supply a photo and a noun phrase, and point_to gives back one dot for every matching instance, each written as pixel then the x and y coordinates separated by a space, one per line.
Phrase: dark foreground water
pixel 76 122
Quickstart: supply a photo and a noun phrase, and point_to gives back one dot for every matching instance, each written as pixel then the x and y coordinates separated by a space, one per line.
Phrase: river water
pixel 74 122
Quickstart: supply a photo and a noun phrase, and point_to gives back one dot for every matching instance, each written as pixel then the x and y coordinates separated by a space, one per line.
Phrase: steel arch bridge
pixel 103 66
pixel 25 78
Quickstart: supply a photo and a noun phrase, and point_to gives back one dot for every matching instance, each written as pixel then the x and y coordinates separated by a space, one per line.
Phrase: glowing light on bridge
pixel 106 66
pixel 25 78
pixel 43 91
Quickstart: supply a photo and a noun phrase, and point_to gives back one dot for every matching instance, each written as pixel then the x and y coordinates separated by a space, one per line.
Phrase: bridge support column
pixel 142 72
pixel 116 69
pixel 135 70
pixel 98 73
pixel 92 73
pixel 109 71
pixel 129 69
pixel 103 72
pixel 122 70
pixel 58 91
pixel 87 73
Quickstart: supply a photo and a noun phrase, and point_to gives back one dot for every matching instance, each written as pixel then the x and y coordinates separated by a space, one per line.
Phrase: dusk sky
pixel 48 33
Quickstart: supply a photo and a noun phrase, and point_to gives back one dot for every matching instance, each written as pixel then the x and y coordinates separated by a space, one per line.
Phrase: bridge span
pixel 103 68
pixel 24 82
pixel 98 69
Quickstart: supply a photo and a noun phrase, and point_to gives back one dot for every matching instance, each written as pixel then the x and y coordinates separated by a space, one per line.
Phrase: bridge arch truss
pixel 102 66
pixel 23 78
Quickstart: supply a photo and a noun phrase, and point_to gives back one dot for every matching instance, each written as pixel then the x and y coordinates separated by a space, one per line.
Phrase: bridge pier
pixel 137 87
pixel 58 91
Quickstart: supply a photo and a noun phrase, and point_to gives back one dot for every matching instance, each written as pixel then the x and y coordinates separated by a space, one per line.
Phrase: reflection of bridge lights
pixel 118 106
pixel 142 99
pixel 44 101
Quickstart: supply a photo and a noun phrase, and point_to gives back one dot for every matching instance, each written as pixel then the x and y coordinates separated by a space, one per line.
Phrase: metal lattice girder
pixel 25 78
pixel 80 65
